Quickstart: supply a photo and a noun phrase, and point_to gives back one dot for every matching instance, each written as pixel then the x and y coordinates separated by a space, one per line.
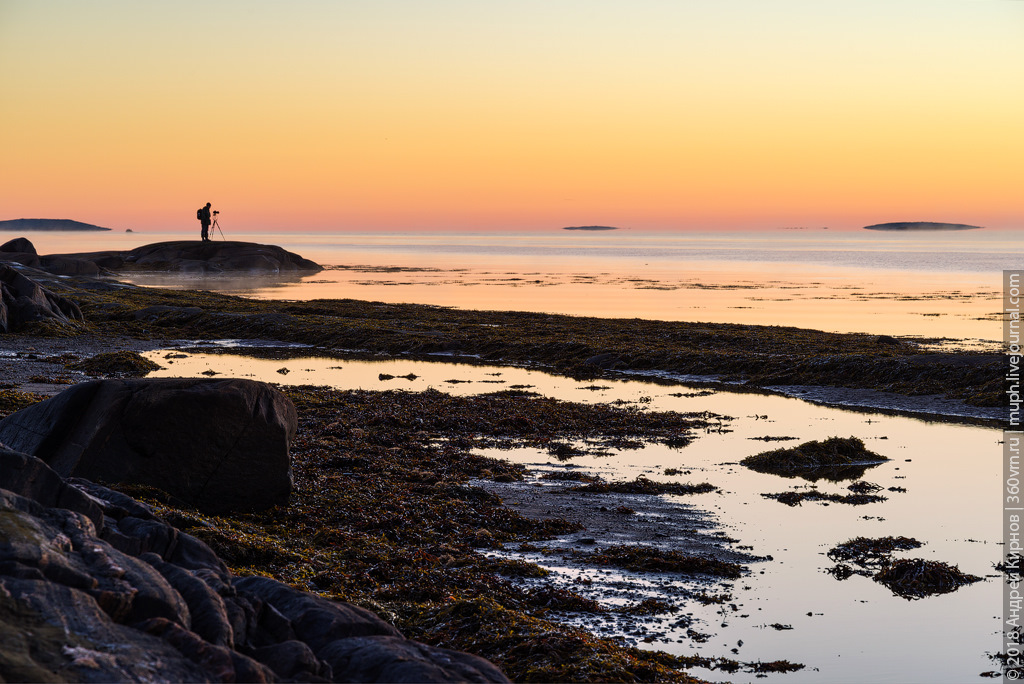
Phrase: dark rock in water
pixel 217 445
pixel 195 256
pixel 47 224
pixel 921 225
pixel 25 301
pixel 95 587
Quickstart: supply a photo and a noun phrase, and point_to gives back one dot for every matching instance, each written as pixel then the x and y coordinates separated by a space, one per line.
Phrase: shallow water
pixel 854 630
pixel 929 285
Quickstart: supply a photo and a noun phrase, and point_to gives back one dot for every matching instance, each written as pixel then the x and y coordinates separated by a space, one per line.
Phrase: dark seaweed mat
pixel 794 498
pixel 834 459
pixel 647 559
pixel 642 485
pixel 913 578
pixel 383 515
pixel 119 363
pixel 910 578
pixel 760 355
pixel 871 552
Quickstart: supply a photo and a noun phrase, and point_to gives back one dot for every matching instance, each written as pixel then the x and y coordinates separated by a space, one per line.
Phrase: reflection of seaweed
pixel 834 459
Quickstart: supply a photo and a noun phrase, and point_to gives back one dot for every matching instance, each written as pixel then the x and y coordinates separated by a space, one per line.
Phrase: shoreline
pixel 292 545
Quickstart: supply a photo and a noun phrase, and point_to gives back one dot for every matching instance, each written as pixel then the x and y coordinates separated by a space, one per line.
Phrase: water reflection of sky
pixel 854 630
pixel 931 285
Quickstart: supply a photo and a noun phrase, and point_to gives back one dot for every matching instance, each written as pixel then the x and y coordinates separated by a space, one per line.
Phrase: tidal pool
pixel 787 607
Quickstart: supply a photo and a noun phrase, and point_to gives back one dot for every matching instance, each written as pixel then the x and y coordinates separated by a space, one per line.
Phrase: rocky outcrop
pixel 23 301
pixel 94 587
pixel 216 445
pixel 195 256
pixel 22 251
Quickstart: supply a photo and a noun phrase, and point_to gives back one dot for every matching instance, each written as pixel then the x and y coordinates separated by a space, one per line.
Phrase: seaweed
pixel 871 552
pixel 642 485
pixel 649 559
pixel 913 578
pixel 118 364
pixel 834 459
pixel 795 498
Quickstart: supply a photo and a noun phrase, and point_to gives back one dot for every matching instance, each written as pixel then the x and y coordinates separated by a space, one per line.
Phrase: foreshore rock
pixel 198 257
pixel 23 301
pixel 216 445
pixel 94 587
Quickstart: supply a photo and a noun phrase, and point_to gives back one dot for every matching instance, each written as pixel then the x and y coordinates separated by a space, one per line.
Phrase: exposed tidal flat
pixel 473 520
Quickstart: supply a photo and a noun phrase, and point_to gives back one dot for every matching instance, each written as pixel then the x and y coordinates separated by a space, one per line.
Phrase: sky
pixel 534 114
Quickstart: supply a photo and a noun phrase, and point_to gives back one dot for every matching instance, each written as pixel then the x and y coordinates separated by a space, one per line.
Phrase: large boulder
pixel 195 256
pixel 216 445
pixel 19 245
pixel 23 301
pixel 96 588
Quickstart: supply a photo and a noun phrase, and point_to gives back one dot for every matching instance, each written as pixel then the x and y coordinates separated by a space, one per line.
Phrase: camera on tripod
pixel 215 212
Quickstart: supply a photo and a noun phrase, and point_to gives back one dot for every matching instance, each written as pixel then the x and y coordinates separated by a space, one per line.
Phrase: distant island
pixel 47 224
pixel 590 228
pixel 921 225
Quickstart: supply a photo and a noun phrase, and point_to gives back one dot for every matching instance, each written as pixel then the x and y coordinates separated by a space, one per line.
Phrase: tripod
pixel 216 225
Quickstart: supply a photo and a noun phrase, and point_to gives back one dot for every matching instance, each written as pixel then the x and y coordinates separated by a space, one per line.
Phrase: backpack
pixel 199 213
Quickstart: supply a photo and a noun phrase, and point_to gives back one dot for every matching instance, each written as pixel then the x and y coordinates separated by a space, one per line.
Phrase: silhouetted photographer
pixel 205 219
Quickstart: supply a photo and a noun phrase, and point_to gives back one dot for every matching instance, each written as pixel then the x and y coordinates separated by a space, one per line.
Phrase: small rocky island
pixel 46 224
pixel 921 225
pixel 590 228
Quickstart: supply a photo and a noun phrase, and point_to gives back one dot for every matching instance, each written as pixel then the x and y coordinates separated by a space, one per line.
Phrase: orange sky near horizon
pixel 471 114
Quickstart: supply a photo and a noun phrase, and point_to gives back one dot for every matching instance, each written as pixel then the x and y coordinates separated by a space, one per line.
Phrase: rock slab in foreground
pixel 196 256
pixel 95 588
pixel 217 445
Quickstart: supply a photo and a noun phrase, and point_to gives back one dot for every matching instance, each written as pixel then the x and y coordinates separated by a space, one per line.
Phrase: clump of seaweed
pixel 649 559
pixel 119 363
pixel 835 459
pixel 914 578
pixel 795 498
pixel 871 552
pixel 910 578
pixel 571 476
pixel 642 485
pixel 12 400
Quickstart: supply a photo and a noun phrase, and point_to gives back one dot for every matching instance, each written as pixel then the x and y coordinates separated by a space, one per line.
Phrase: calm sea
pixel 931 285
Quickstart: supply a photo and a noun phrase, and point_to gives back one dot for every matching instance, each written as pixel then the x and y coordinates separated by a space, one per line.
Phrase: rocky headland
pixel 592 228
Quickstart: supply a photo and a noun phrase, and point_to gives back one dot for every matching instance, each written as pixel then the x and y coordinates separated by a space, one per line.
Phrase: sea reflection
pixel 940 488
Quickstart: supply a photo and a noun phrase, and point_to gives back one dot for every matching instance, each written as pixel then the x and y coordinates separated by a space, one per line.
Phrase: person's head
pixel 207 205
